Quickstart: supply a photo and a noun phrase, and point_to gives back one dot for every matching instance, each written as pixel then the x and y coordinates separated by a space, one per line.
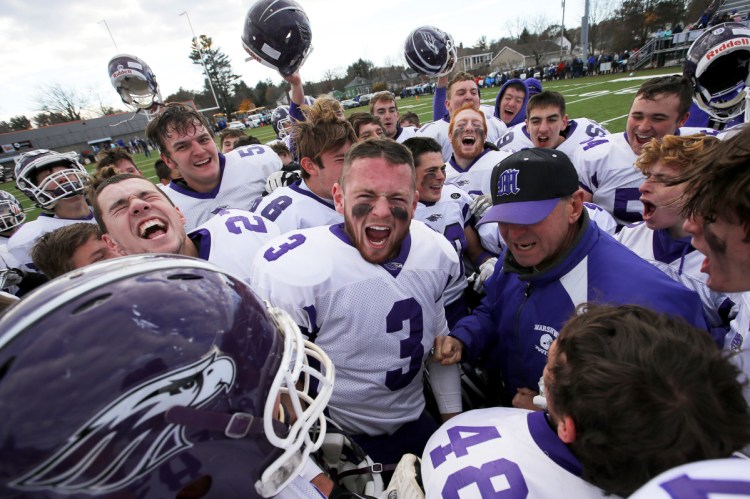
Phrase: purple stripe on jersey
pixel 668 249
pixel 187 191
pixel 394 265
pixel 585 187
pixel 398 132
pixel 296 187
pixel 526 132
pixel 202 240
pixel 453 164
pixel 550 443
pixel 572 125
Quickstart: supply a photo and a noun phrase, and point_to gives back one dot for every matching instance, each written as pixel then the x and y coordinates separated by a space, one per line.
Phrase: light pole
pixel 203 61
pixel 110 34
pixel 562 31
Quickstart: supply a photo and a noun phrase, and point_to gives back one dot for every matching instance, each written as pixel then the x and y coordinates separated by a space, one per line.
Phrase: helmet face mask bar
pixel 281 121
pixel 277 34
pixel 430 51
pixel 65 183
pixel 718 65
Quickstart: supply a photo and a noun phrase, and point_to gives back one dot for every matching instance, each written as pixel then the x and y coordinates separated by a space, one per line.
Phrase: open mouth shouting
pixel 152 228
pixel 377 235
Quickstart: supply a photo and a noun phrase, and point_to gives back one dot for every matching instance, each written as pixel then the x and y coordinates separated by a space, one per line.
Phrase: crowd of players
pixel 585 293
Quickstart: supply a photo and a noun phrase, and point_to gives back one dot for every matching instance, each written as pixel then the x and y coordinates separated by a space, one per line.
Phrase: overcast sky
pixel 53 41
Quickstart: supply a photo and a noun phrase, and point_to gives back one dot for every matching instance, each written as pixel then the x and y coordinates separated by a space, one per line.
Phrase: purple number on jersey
pixel 684 487
pixel 408 311
pixel 250 151
pixel 482 477
pixel 456 235
pixel 233 224
pixel 293 241
pixel 507 138
pixel 459 444
pixel 593 143
pixel 595 131
pixel 276 207
pixel 623 196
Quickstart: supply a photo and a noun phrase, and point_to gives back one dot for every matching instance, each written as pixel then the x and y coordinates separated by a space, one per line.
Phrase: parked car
pixel 364 100
pixel 255 120
pixel 236 125
pixel 349 103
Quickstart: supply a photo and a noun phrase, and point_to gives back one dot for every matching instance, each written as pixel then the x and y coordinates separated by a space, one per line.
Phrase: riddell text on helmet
pixel 727 45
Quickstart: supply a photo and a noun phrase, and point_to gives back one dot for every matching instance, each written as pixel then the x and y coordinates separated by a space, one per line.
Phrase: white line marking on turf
pixel 613 119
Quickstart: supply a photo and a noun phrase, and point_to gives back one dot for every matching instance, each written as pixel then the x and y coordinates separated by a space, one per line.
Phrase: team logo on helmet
pixel 136 417
pixel 429 41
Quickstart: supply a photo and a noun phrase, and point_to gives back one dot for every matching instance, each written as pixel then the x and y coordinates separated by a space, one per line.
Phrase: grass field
pixel 605 99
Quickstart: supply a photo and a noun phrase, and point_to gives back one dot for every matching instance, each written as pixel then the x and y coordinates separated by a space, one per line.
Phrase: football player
pixel 615 380
pixel 547 125
pixel 136 217
pixel 366 126
pixel 69 248
pixel 308 202
pixel 209 180
pixel 461 91
pixel 605 164
pixel 471 163
pixel 661 239
pixel 177 369
pixel 12 217
pixel 228 138
pixel 56 183
pixel 383 105
pixel 446 209
pixel 370 291
pixel 120 161
pixel 730 477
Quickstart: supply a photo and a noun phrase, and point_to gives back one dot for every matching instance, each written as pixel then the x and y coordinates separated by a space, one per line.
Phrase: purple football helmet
pixel 159 375
pixel 11 212
pixel 281 121
pixel 134 82
pixel 69 182
pixel 430 51
pixel 718 65
pixel 277 34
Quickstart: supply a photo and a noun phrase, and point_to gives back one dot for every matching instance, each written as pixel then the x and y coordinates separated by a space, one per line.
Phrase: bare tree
pixel 63 102
pixel 539 24
pixel 515 28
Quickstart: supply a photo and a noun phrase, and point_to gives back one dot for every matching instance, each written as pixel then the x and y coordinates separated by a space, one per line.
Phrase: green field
pixel 605 99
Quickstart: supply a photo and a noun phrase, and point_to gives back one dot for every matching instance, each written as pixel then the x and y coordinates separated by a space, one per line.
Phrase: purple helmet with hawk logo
pixel 159 376
pixel 718 65
pixel 430 51
pixel 277 34
pixel 281 121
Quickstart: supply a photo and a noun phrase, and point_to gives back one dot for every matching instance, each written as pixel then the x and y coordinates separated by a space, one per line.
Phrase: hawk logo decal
pixel 429 41
pixel 130 437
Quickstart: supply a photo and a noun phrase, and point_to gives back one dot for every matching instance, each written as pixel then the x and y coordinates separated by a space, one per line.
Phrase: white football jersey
pixel 579 130
pixel 717 478
pixel 438 130
pixel 404 133
pixel 20 244
pixel 377 323
pixel 231 239
pixel 475 179
pixel 6 260
pixel 738 341
pixel 680 261
pixel 501 452
pixel 297 207
pixel 449 216
pixel 606 170
pixel 243 178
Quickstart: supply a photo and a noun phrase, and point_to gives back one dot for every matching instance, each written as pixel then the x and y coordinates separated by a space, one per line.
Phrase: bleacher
pixel 742 7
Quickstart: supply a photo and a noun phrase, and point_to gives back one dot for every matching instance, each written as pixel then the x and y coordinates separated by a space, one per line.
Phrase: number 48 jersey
pixel 501 452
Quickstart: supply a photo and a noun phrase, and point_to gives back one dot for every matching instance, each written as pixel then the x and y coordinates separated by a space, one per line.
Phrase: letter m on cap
pixel 507 183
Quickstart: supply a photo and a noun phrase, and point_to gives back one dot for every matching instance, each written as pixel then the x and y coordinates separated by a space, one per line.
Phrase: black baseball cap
pixel 526 186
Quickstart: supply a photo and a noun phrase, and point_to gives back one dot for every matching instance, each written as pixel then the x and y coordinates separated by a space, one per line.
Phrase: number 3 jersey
pixel 377 322
pixel 501 452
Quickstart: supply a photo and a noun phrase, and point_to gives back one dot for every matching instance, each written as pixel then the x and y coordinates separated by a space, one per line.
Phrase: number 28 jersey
pixel 501 452
pixel 377 322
